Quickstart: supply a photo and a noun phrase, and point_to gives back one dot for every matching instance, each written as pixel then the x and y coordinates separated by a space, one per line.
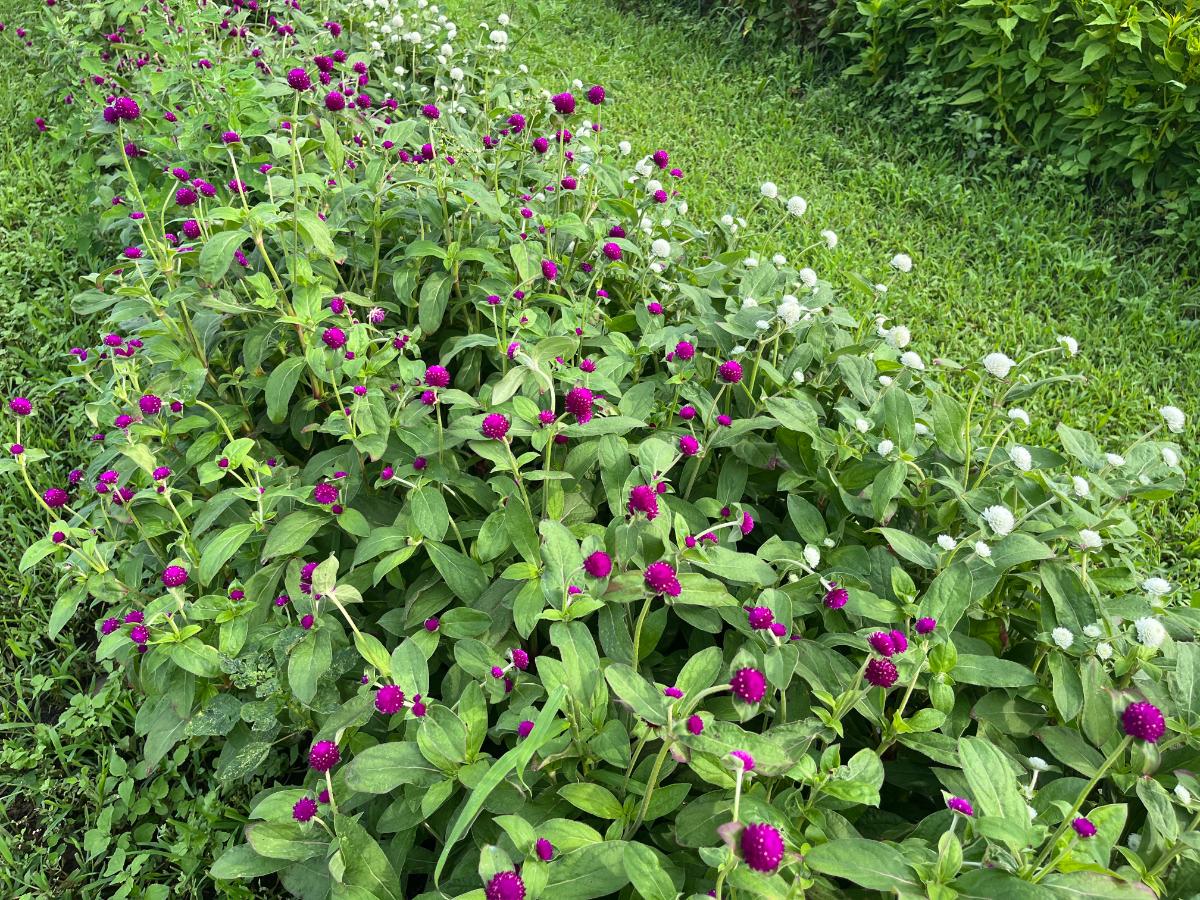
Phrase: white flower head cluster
pixel 899 337
pixel 982 550
pixel 998 364
pixel 912 360
pixel 1116 460
pixel 885 447
pixel 789 310
pixel 1000 519
pixel 902 262
pixel 1090 540
pixel 797 206
pixel 1174 418
pixel 661 248
pixel 862 425
pixel 1038 764
pixel 1170 458
pixel 1156 587
pixel 1069 344
pixel 1019 415
pixel 769 190
pixel 1104 650
pixel 946 542
pixel 1150 632
pixel 812 556
pixel 808 277
pixel 1093 630
pixel 1080 486
pixel 1184 795
pixel 1063 637
pixel 779 259
pixel 1021 458
pixel 831 238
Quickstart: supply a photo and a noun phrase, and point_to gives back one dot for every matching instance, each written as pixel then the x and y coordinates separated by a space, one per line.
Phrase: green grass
pixel 1004 260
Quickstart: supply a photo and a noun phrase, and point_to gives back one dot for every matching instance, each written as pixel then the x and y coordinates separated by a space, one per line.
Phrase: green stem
pixel 654 773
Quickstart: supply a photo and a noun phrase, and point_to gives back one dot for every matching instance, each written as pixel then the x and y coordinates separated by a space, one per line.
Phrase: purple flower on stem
pixel 926 625
pixel 730 371
pixel 505 886
pixel 20 406
pixel 174 576
pixel 748 685
pixel 760 617
pixel 298 79
pixel 836 597
pixel 960 805
pixel 660 578
pixel 1143 721
pixel 524 728
pixel 881 673
pixel 323 756
pixel 495 426
pixel 744 758
pixel 389 699
pixel 305 809
pixel 695 725
pixel 1084 827
pixel 544 850
pixel 762 847
pixel 598 565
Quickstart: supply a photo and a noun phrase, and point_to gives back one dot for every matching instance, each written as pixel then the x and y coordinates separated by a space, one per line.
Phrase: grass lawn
pixel 1003 261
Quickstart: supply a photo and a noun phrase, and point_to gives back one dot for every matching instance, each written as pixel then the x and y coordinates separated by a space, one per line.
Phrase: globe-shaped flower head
pixel 598 565
pixel 660 578
pixel 564 103
pixel 881 673
pixel 505 886
pixel 748 685
pixel 762 847
pixel 495 426
pixel 1143 721
pixel 730 371
pixel 323 756
pixel 298 79
pixel 389 699
pixel 174 576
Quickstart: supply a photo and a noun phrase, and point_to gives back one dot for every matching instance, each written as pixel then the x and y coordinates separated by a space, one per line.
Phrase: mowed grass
pixel 1003 260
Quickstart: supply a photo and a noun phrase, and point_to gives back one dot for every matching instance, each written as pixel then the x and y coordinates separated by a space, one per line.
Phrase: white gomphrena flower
pixel 881 288
pixel 1174 418
pixel 797 206
pixel 1170 457
pixel 946 542
pixel 577 84
pixel 1093 630
pixel 653 185
pixel 1104 650
pixel 739 349
pixel 1070 345
pixel 921 429
pixel 902 262
pixel 456 74
pixel 1021 458
pixel 789 310
pixel 798 376
pixel 1000 519
pixel 1089 540
pixel 862 425
pixel 657 268
pixel 1080 486
pixel 1116 460
pixel 1038 764
pixel 1019 415
pixel 828 543
pixel 750 262
pixel 1184 795
pixel 503 19
pixel 998 364
pixel 727 221
pixel 749 303
pixel 499 38
pixel 1150 632
pixel 808 277
pixel 779 259
pixel 982 550
pixel 831 238
pixel 769 190
pixel 885 380
pixel 661 248
pixel 885 447
pixel 643 167
pixel 1156 587
pixel 523 69
pixel 912 360
pixel 625 147
pixel 1063 637
pixel 812 556
pixel 762 324
pixel 899 337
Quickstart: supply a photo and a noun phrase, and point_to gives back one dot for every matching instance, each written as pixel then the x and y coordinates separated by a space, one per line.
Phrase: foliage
pixel 380 425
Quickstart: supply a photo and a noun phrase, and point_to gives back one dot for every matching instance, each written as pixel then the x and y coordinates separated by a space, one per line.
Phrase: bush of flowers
pixel 523 538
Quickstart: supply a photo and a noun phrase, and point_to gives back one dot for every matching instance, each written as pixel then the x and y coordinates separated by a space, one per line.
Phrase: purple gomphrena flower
pixel 541 145
pixel 564 103
pixel 335 101
pixel 598 564
pixel 1084 827
pixel 760 617
pixel 546 416
pixel 899 641
pixel 654 308
pixel 660 578
pixel 334 338
pixel 185 196
pixel 298 79
pixel 432 624
pixel 960 805
pixel 1143 721
pixel 495 426
pixel 747 525
pixel 749 685
pixel 612 251
pixel 836 597
pixel 778 629
pixel 519 658
pixel 389 699
pixel 437 377
pixel 133 252
pixel 579 402
pixel 191 229
pixel 643 499
pixel 139 634
pixel 325 493
pixel 16 449
pixel 20 406
pixel 109 625
pixel 307 621
pixel 695 725
pixel 762 847
pixel 661 158
pixel 323 756
pixel 730 371
pixel 549 269
pixel 544 850
pixel 161 473
pixel 126 108
pixel 585 365
pixel 149 404
pixel 174 576
pixel 673 692
pixel 419 463
pixel 305 809
pixel 926 625
pixel 744 758
pixel 688 445
pixel 56 498
pixel 685 350
pixel 881 643
pixel 524 728
pixel 505 886
pixel 881 673
pixel 595 94
pixel 231 137
pixel 430 111
pixel 134 617
pixel 687 413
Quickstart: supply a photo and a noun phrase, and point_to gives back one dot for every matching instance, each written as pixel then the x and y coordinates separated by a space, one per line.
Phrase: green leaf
pixel 308 661
pixel 442 737
pixel 871 864
pixel 220 548
pixel 281 385
pixel 592 798
pixel 597 870
pixel 516 758
pixel 196 657
pixel 463 575
pixel 384 767
pixel 989 671
pixel 435 294
pixel 911 548
pixel 645 872
pixel 242 862
pixel 366 864
pixel 292 533
pixel 429 512
pixel 637 693
pixel 285 840
pixel 1068 747
pixel 886 486
pixel 994 786
pixel 217 254
pixel 1073 607
pixel 410 668
pixel 743 568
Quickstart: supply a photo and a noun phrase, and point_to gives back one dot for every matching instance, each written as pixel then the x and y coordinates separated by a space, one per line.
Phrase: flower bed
pixel 525 538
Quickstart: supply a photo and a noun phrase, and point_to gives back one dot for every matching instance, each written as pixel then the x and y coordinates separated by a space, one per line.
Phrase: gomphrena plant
pixel 524 538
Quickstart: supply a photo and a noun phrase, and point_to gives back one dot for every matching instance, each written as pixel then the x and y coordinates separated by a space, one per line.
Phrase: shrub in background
pixel 524 538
